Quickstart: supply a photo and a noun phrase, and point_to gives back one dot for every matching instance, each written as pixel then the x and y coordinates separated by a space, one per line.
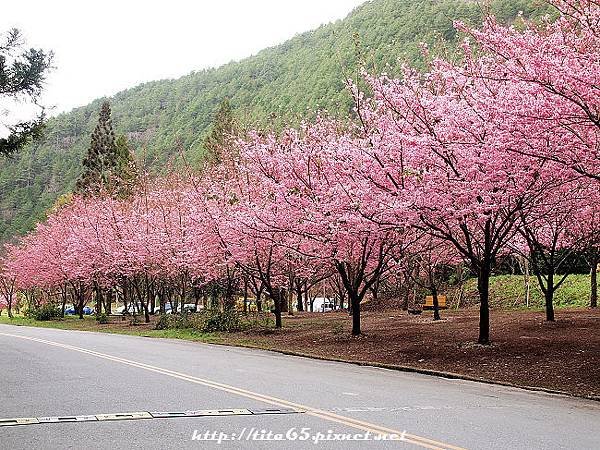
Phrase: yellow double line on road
pixel 326 415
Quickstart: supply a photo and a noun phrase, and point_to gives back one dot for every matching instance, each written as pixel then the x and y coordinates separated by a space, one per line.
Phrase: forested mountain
pixel 280 84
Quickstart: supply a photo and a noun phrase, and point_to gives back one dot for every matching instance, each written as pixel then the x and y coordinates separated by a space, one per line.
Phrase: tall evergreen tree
pixel 126 168
pixel 221 134
pixel 108 165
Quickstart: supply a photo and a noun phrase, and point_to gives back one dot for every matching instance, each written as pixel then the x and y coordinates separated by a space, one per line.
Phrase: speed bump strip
pixel 259 411
pixel 18 421
pixel 125 416
pixel 67 419
pixel 200 413
pixel 146 415
pixel 167 414
pixel 218 412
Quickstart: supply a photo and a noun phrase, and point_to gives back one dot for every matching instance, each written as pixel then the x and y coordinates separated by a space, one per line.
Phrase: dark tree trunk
pixel 245 296
pixel 63 293
pixel 99 298
pixel 375 291
pixel 146 313
pixel 277 301
pixel 160 289
pixel 549 297
pixel 197 295
pixel 141 294
pixel 108 301
pixel 259 300
pixel 355 300
pixel 436 304
pixel 81 300
pixel 483 286
pixel 283 300
pixel 594 282
pixel 299 304
pixel 125 291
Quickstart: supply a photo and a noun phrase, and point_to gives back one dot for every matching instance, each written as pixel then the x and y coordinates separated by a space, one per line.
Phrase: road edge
pixel 406 369
pixel 395 367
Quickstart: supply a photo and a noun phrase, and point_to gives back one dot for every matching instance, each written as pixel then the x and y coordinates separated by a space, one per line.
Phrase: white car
pixel 325 307
pixel 131 308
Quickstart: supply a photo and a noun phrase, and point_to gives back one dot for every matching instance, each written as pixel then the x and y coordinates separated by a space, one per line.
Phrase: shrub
pixel 45 312
pixel 217 320
pixel 171 321
pixel 102 318
pixel 162 323
pixel 135 320
pixel 208 321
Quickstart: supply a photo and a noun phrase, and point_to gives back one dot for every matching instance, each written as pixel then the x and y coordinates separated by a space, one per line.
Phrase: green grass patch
pixel 90 324
pixel 508 291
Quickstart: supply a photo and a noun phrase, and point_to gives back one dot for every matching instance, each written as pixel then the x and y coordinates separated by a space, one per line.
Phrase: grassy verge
pixel 90 324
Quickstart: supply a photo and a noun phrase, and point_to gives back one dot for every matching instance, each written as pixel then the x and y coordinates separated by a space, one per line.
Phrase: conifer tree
pixel 221 134
pixel 126 169
pixel 108 165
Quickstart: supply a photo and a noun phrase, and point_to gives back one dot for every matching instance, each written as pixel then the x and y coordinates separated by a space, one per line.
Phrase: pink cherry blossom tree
pixel 553 71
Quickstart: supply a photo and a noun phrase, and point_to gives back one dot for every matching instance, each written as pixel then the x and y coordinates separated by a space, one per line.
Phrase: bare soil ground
pixel 526 350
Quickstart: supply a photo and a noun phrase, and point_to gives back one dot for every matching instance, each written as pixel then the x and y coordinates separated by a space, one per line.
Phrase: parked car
pixel 325 307
pixel 131 309
pixel 189 307
pixel 168 309
pixel 70 310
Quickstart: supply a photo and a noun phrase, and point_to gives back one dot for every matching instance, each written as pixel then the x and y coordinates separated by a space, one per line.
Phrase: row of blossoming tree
pixel 498 154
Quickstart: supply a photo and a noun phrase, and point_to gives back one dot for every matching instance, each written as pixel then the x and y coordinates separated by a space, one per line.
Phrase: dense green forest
pixel 165 119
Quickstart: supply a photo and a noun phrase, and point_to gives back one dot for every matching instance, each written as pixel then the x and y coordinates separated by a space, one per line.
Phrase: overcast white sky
pixel 102 47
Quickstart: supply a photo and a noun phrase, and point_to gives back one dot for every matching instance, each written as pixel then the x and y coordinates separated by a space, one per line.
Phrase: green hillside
pixel 508 291
pixel 279 84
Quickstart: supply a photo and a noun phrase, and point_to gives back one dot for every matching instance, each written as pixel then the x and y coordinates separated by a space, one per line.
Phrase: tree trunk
pixel 299 304
pixel 259 301
pixel 162 302
pixel 355 300
pixel 307 298
pixel 63 305
pixel 483 286
pixel 197 296
pixel 109 300
pixel 81 300
pixel 549 298
pixel 99 297
pixel 146 313
pixel 436 305
pixel 594 283
pixel 125 297
pixel 152 298
pixel 375 291
pixel 277 302
pixel 283 305
pixel 245 296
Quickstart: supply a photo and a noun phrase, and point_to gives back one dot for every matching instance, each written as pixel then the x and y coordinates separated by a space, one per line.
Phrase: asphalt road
pixel 47 372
